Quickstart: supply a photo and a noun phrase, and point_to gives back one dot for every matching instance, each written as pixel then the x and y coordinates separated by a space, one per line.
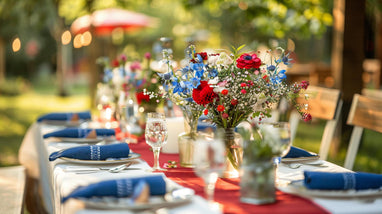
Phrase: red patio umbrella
pixel 105 21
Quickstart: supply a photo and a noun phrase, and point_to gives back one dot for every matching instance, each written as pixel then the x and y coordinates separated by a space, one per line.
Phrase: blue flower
pixel 166 76
pixel 195 82
pixel 200 59
pixel 177 88
pixel 213 73
pixel 108 75
pixel 271 68
pixel 185 70
pixel 282 74
pixel 279 77
pixel 122 71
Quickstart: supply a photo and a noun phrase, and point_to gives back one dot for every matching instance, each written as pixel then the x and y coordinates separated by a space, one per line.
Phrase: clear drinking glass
pixel 278 136
pixel 209 162
pixel 156 135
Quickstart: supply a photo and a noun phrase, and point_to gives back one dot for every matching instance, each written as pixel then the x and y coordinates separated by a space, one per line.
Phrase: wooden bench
pixel 12 188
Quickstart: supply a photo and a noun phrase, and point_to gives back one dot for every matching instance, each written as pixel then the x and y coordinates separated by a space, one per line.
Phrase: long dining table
pixel 55 181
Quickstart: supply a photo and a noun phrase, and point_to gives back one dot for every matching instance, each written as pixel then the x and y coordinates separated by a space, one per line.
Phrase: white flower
pixel 224 59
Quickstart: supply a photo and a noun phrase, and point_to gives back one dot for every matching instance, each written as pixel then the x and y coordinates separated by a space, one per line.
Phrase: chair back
pixel 365 113
pixel 322 103
pixel 376 93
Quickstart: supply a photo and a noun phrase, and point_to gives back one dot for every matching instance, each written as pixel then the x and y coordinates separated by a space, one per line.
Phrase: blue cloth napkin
pixel 342 181
pixel 119 188
pixel 65 116
pixel 79 133
pixel 93 152
pixel 295 152
pixel 203 125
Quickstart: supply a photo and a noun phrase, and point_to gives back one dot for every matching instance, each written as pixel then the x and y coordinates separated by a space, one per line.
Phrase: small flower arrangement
pixel 130 77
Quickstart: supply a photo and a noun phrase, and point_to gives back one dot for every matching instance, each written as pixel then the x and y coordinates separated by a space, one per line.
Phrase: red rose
pixel 243 91
pixel 243 84
pixel 224 92
pixel 234 102
pixel 142 97
pixel 203 94
pixel 248 61
pixel 220 108
pixel 115 63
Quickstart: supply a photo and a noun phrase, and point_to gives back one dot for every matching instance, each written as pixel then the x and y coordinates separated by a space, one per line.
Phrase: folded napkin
pixel 342 181
pixel 80 133
pixel 295 152
pixel 65 116
pixel 119 188
pixel 93 152
pixel 203 125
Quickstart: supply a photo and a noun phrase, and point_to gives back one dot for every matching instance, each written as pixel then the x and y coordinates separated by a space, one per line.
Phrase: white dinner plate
pixel 172 198
pixel 86 140
pixel 298 188
pixel 132 156
pixel 64 122
pixel 300 159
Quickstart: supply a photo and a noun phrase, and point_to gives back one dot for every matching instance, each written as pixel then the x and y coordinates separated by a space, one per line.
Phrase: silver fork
pixel 94 169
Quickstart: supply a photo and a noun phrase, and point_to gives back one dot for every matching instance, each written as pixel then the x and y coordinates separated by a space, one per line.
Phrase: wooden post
pixel 2 60
pixel 347 56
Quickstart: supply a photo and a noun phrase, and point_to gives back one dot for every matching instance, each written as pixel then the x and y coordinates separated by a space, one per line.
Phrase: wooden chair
pixel 322 103
pixel 12 189
pixel 376 93
pixel 365 113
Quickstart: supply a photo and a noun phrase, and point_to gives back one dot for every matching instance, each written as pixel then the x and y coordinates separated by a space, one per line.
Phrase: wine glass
pixel 209 162
pixel 156 135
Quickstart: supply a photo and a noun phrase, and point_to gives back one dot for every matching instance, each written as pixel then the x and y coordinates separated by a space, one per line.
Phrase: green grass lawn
pixel 369 157
pixel 17 113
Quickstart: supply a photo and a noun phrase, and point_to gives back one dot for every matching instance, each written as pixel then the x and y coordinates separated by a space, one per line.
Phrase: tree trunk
pixel 347 56
pixel 2 60
pixel 378 41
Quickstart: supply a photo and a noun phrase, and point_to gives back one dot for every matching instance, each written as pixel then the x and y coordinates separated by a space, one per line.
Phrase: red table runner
pixel 227 191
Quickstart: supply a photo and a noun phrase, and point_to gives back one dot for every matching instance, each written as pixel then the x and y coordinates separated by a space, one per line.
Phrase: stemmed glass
pixel 209 160
pixel 156 135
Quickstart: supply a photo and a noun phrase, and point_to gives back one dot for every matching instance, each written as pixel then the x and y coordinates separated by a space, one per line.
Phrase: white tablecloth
pixel 56 182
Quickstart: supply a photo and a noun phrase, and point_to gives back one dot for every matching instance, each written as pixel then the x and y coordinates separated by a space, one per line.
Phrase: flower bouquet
pixel 231 88
pixel 127 79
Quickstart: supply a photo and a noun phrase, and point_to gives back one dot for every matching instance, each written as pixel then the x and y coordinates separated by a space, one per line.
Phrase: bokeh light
pixel 66 37
pixel 86 38
pixel 16 44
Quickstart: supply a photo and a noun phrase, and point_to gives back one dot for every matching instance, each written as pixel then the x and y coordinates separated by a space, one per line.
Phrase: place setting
pixel 336 185
pixel 116 153
pixel 82 135
pixel 67 119
pixel 139 193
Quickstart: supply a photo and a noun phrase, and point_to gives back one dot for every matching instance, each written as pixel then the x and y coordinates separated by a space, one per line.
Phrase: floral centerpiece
pixel 245 86
pixel 231 88
pixel 126 80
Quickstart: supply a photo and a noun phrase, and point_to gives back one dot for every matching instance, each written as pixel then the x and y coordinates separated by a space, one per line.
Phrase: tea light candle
pixel 175 126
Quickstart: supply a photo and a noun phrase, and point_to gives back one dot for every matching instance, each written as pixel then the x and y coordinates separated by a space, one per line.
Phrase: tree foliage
pixel 298 19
